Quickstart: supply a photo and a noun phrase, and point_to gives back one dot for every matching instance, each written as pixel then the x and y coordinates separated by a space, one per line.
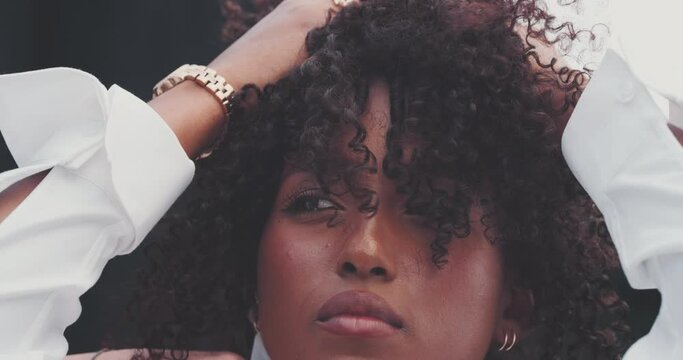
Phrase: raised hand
pixel 275 44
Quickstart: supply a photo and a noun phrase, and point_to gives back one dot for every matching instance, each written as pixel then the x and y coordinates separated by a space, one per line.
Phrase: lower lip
pixel 350 325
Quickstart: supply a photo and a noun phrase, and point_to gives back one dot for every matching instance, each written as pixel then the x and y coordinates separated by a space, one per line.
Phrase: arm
pixel 98 168
pixel 17 192
pixel 102 190
pixel 177 106
pixel 187 101
pixel 262 55
pixel 621 148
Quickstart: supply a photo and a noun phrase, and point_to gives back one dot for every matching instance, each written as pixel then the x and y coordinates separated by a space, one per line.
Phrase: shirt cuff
pixel 619 147
pixel 62 117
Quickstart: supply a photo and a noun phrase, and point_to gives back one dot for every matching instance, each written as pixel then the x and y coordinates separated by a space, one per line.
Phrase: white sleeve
pixel 647 35
pixel 116 169
pixel 619 147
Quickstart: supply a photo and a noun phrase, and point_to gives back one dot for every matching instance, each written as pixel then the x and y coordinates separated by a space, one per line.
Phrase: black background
pixel 134 43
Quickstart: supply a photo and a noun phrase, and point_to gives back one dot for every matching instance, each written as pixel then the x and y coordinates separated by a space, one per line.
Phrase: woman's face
pixel 367 287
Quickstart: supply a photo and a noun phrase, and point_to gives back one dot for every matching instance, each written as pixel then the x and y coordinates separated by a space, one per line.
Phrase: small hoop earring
pixel 252 319
pixel 505 342
pixel 252 314
pixel 505 347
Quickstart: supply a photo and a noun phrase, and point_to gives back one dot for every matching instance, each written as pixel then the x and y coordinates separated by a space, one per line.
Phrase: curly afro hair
pixel 483 107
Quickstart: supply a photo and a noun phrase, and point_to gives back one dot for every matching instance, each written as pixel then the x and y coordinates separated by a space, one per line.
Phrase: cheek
pixel 291 267
pixel 467 293
pixel 453 310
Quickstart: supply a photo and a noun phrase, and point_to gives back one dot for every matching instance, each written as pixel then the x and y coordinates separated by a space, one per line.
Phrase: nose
pixel 368 252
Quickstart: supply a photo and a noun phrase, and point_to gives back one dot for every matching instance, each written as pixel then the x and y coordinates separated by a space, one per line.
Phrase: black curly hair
pixel 483 108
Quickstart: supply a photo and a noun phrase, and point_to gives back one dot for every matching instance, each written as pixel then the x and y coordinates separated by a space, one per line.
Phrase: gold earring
pixel 505 347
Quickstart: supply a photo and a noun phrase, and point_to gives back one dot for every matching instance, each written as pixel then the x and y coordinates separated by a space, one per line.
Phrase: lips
pixel 358 313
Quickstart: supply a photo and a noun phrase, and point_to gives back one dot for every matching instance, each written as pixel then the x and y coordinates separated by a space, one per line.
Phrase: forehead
pixel 375 120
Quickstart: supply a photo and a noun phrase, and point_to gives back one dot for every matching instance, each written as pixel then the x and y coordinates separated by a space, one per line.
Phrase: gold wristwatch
pixel 211 81
pixel 203 75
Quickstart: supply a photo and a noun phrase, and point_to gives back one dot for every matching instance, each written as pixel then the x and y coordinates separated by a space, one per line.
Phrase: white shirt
pixel 117 168
pixel 619 147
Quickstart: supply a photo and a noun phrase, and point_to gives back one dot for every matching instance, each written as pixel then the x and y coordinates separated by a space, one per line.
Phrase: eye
pixel 308 202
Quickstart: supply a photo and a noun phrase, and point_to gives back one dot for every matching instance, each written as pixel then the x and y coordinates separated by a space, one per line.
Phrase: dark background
pixel 134 43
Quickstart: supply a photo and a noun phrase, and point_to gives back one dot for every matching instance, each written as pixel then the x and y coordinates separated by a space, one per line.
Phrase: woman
pixel 422 165
pixel 399 194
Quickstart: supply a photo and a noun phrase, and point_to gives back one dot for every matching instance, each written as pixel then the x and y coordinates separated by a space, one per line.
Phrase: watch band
pixel 205 76
pixel 210 80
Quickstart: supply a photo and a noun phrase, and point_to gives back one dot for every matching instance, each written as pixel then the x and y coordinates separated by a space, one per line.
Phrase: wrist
pixel 189 81
pixel 190 93
pixel 193 114
pixel 229 70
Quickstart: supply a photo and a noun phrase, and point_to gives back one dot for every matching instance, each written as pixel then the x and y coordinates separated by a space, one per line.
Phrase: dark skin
pixel 474 278
pixel 299 245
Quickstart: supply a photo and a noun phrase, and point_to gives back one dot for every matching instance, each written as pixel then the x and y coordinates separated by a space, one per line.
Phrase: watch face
pixel 649 36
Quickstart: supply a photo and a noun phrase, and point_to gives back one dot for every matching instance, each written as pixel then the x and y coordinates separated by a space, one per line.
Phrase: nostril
pixel 347 267
pixel 379 271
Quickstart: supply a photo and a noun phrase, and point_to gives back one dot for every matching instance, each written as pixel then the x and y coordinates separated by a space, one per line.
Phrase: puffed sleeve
pixel 619 147
pixel 116 168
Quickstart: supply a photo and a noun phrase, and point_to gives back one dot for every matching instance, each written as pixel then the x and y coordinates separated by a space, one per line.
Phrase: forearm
pixel 193 114
pixel 11 197
pixel 97 169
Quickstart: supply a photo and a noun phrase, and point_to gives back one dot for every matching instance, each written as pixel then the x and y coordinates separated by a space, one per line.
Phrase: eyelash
pixel 297 200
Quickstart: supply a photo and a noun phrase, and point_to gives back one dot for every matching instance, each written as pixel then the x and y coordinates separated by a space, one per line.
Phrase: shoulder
pixel 126 354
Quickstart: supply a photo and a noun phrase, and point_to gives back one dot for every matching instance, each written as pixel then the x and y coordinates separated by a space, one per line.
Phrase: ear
pixel 517 309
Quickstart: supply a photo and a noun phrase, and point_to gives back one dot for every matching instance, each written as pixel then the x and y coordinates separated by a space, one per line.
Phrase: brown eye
pixel 307 203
